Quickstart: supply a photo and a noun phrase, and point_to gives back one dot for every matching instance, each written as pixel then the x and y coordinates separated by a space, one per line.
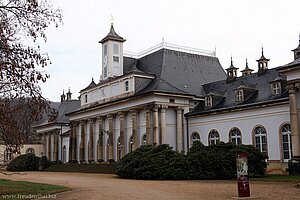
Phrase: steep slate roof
pixel 62 109
pixel 91 85
pixel 179 72
pixel 112 35
pixel 259 86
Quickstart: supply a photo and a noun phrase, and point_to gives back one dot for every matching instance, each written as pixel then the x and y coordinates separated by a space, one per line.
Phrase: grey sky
pixel 234 27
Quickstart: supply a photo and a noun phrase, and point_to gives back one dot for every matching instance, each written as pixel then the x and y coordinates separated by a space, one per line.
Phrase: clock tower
pixel 112 54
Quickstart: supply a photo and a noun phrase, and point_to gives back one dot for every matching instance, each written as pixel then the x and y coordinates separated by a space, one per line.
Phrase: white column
pixel 294 122
pixel 163 123
pixel 86 142
pixel 155 126
pixel 179 129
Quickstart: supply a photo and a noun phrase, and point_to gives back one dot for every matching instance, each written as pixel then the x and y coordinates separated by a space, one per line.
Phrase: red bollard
pixel 242 175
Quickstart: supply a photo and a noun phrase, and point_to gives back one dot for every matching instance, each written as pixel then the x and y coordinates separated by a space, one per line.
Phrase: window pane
pixel 286 155
pixel 116 49
pixel 285 138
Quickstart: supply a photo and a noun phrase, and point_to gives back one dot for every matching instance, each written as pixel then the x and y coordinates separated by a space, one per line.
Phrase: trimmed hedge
pixel 153 162
pixel 29 162
pixel 201 162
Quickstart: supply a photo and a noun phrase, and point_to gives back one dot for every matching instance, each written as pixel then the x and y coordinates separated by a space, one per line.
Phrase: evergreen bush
pixel 153 162
pixel 27 162
pixel 201 162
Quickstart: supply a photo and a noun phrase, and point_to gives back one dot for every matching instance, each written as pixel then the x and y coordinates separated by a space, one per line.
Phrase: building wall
pixel 271 118
pixel 38 150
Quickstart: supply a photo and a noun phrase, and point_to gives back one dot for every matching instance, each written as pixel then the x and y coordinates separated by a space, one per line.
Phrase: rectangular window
pixel 172 100
pixel 239 95
pixel 116 58
pixel 105 49
pixel 126 86
pixel 105 72
pixel 208 101
pixel 86 98
pixel 276 88
pixel 116 49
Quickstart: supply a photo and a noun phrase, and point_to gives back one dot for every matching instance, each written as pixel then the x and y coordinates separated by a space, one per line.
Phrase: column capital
pixel 179 108
pixel 291 88
pixel 297 85
pixel 163 107
pixel 100 118
pixel 110 116
pixel 121 114
pixel 90 121
pixel 155 108
pixel 133 111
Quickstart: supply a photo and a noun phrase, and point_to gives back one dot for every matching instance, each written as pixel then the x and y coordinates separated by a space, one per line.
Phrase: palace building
pixel 177 95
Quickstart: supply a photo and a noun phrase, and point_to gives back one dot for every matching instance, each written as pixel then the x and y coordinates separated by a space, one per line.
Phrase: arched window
pixel 119 149
pixel 260 139
pixel 144 139
pixel 30 151
pixel 131 144
pixel 64 154
pixel 235 136
pixel 286 142
pixel 213 137
pixel 195 137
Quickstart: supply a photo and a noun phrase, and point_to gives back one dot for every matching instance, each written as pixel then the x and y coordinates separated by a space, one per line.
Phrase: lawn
pixel 27 190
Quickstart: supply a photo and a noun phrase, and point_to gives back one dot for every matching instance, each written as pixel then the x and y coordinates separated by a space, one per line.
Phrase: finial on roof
pixel 231 62
pixel 69 89
pixel 299 39
pixel 112 20
pixel 262 51
pixel 247 63
pixel 63 91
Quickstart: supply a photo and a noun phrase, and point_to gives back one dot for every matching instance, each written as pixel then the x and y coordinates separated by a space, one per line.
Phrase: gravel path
pixel 110 187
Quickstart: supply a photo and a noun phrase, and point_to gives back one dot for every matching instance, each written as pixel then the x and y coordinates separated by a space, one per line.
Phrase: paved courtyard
pixel 108 187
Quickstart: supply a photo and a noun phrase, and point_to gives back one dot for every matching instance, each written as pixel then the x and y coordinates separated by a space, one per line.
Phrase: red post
pixel 242 175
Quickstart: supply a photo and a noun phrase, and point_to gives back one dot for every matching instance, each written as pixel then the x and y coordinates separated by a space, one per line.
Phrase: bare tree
pixel 22 25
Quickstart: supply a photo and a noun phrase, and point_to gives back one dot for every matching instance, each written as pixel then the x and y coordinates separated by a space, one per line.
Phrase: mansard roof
pixel 179 72
pixel 173 71
pixel 258 88
pixel 60 109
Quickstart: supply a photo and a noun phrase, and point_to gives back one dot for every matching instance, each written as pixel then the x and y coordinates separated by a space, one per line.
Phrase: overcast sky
pixel 237 28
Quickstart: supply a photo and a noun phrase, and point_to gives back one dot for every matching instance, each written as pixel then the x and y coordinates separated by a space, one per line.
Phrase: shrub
pixel 153 162
pixel 201 162
pixel 30 162
pixel 27 162
pixel 219 161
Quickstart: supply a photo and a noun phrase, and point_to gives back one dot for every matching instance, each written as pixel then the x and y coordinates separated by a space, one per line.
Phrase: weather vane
pixel 112 19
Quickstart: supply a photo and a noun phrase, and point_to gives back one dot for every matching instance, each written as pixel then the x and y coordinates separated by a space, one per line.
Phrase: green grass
pixel 277 178
pixel 84 168
pixel 16 189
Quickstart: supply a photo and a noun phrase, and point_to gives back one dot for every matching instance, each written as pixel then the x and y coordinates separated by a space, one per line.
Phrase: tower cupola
pixel 262 63
pixel 231 72
pixel 297 51
pixel 247 70
pixel 112 54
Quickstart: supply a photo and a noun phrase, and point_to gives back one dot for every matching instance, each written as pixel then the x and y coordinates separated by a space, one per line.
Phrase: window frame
pixel 260 136
pixel 239 95
pixel 208 101
pixel 236 136
pixel 287 133
pixel 276 88
pixel 144 139
pixel 216 139
pixel 193 139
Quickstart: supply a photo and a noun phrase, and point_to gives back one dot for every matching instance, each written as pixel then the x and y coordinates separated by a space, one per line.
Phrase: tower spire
pixel 112 20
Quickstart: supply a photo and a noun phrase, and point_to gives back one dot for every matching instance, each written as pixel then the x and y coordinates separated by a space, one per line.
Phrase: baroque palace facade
pixel 177 95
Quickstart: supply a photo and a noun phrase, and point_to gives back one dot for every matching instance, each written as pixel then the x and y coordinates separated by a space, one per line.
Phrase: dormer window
pixel 208 102
pixel 276 88
pixel 86 98
pixel 126 86
pixel 239 95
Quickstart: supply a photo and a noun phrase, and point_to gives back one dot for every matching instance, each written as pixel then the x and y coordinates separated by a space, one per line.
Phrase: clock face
pixel 105 60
